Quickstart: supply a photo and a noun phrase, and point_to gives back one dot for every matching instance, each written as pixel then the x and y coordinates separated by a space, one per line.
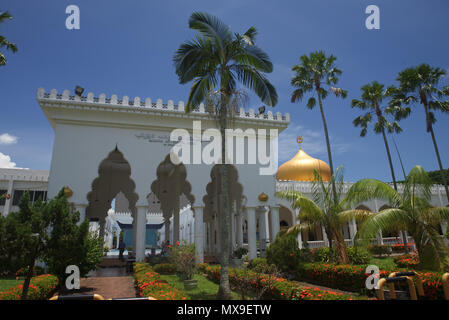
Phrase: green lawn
pixel 206 290
pixel 384 263
pixel 8 283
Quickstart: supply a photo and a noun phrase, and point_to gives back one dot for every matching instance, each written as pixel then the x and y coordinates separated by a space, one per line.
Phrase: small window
pixel 16 198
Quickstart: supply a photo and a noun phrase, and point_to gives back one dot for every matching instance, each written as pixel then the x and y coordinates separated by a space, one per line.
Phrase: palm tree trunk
pixel 403 233
pixel 443 177
pixel 224 290
pixel 334 189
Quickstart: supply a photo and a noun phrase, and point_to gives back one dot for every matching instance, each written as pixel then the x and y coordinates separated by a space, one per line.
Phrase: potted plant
pixel 105 251
pixel 237 257
pixel 183 257
pixel 130 252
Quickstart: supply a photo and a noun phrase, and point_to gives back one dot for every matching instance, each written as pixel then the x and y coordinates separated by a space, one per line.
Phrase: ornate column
pixel 251 218
pixel 274 220
pixel 141 227
pixel 199 234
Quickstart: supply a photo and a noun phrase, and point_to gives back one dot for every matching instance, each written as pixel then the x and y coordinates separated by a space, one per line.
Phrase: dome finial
pixel 300 140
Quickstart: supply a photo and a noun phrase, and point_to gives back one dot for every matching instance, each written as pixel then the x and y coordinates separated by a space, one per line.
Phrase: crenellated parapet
pixel 147 105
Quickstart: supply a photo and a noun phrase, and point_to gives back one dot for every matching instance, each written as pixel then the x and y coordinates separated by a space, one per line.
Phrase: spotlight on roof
pixel 262 110
pixel 79 91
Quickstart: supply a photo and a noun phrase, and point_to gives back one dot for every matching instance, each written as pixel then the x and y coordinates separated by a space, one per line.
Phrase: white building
pixel 110 148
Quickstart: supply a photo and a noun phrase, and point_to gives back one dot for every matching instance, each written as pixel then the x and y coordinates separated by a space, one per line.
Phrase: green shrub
pixel 380 249
pixel 260 265
pixel 165 268
pixel 157 259
pixel 273 287
pixel 41 288
pixel 284 252
pixel 358 255
pixel 150 285
pixel 240 252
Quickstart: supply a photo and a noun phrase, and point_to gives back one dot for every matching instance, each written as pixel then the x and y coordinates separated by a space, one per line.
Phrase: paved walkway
pixel 109 282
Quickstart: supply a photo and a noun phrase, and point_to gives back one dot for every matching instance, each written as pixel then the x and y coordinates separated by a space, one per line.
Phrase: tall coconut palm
pixel 4 43
pixel 372 97
pixel 318 74
pixel 410 210
pixel 421 85
pixel 322 211
pixel 215 61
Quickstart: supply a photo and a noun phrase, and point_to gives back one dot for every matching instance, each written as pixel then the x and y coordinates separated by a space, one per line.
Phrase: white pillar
pixel 251 218
pixel 233 237
pixel 141 233
pixel 262 232
pixel 299 237
pixel 274 215
pixel 326 240
pixel 239 231
pixel 199 234
pixel 176 225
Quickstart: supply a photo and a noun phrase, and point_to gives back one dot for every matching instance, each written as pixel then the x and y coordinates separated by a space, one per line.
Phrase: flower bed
pixel 279 289
pixel 353 278
pixel 41 288
pixel 150 285
pixel 409 261
pixel 399 247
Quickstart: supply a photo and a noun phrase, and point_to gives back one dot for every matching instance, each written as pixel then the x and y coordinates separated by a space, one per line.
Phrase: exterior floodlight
pixel 79 91
pixel 262 110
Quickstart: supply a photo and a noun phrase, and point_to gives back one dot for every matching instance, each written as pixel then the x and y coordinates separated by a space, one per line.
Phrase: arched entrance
pixel 114 176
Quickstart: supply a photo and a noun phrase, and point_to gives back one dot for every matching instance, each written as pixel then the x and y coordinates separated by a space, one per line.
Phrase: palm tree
pixel 322 211
pixel 215 60
pixel 3 42
pixel 316 72
pixel 420 84
pixel 410 210
pixel 372 96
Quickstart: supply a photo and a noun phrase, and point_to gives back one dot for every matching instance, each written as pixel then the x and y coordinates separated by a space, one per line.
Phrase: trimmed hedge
pixel 41 288
pixel 165 268
pixel 279 288
pixel 353 278
pixel 150 285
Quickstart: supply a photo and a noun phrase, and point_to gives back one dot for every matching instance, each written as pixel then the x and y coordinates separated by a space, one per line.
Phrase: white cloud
pixel 6 138
pixel 5 162
pixel 314 143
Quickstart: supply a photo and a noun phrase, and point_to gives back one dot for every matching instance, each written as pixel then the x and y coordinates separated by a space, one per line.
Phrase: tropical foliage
pixel 216 60
pixel 318 74
pixel 410 210
pixel 421 85
pixel 323 211
pixel 4 43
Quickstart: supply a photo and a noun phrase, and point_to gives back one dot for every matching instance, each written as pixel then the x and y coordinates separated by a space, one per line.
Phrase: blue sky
pixel 126 48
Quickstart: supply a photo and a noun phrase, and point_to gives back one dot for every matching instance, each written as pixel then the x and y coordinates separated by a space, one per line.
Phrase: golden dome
pixel 301 167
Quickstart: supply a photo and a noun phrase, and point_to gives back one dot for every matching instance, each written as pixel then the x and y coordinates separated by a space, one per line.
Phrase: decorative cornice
pixel 113 104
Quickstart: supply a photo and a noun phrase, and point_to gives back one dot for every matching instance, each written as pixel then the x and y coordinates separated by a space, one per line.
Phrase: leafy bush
pixel 164 268
pixel 41 288
pixel 399 247
pixel 150 285
pixel 284 252
pixel 380 249
pixel 275 288
pixel 184 258
pixel 353 278
pixel 240 252
pixel 356 255
pixel 409 261
pixel 37 271
pixel 260 265
pixel 157 259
